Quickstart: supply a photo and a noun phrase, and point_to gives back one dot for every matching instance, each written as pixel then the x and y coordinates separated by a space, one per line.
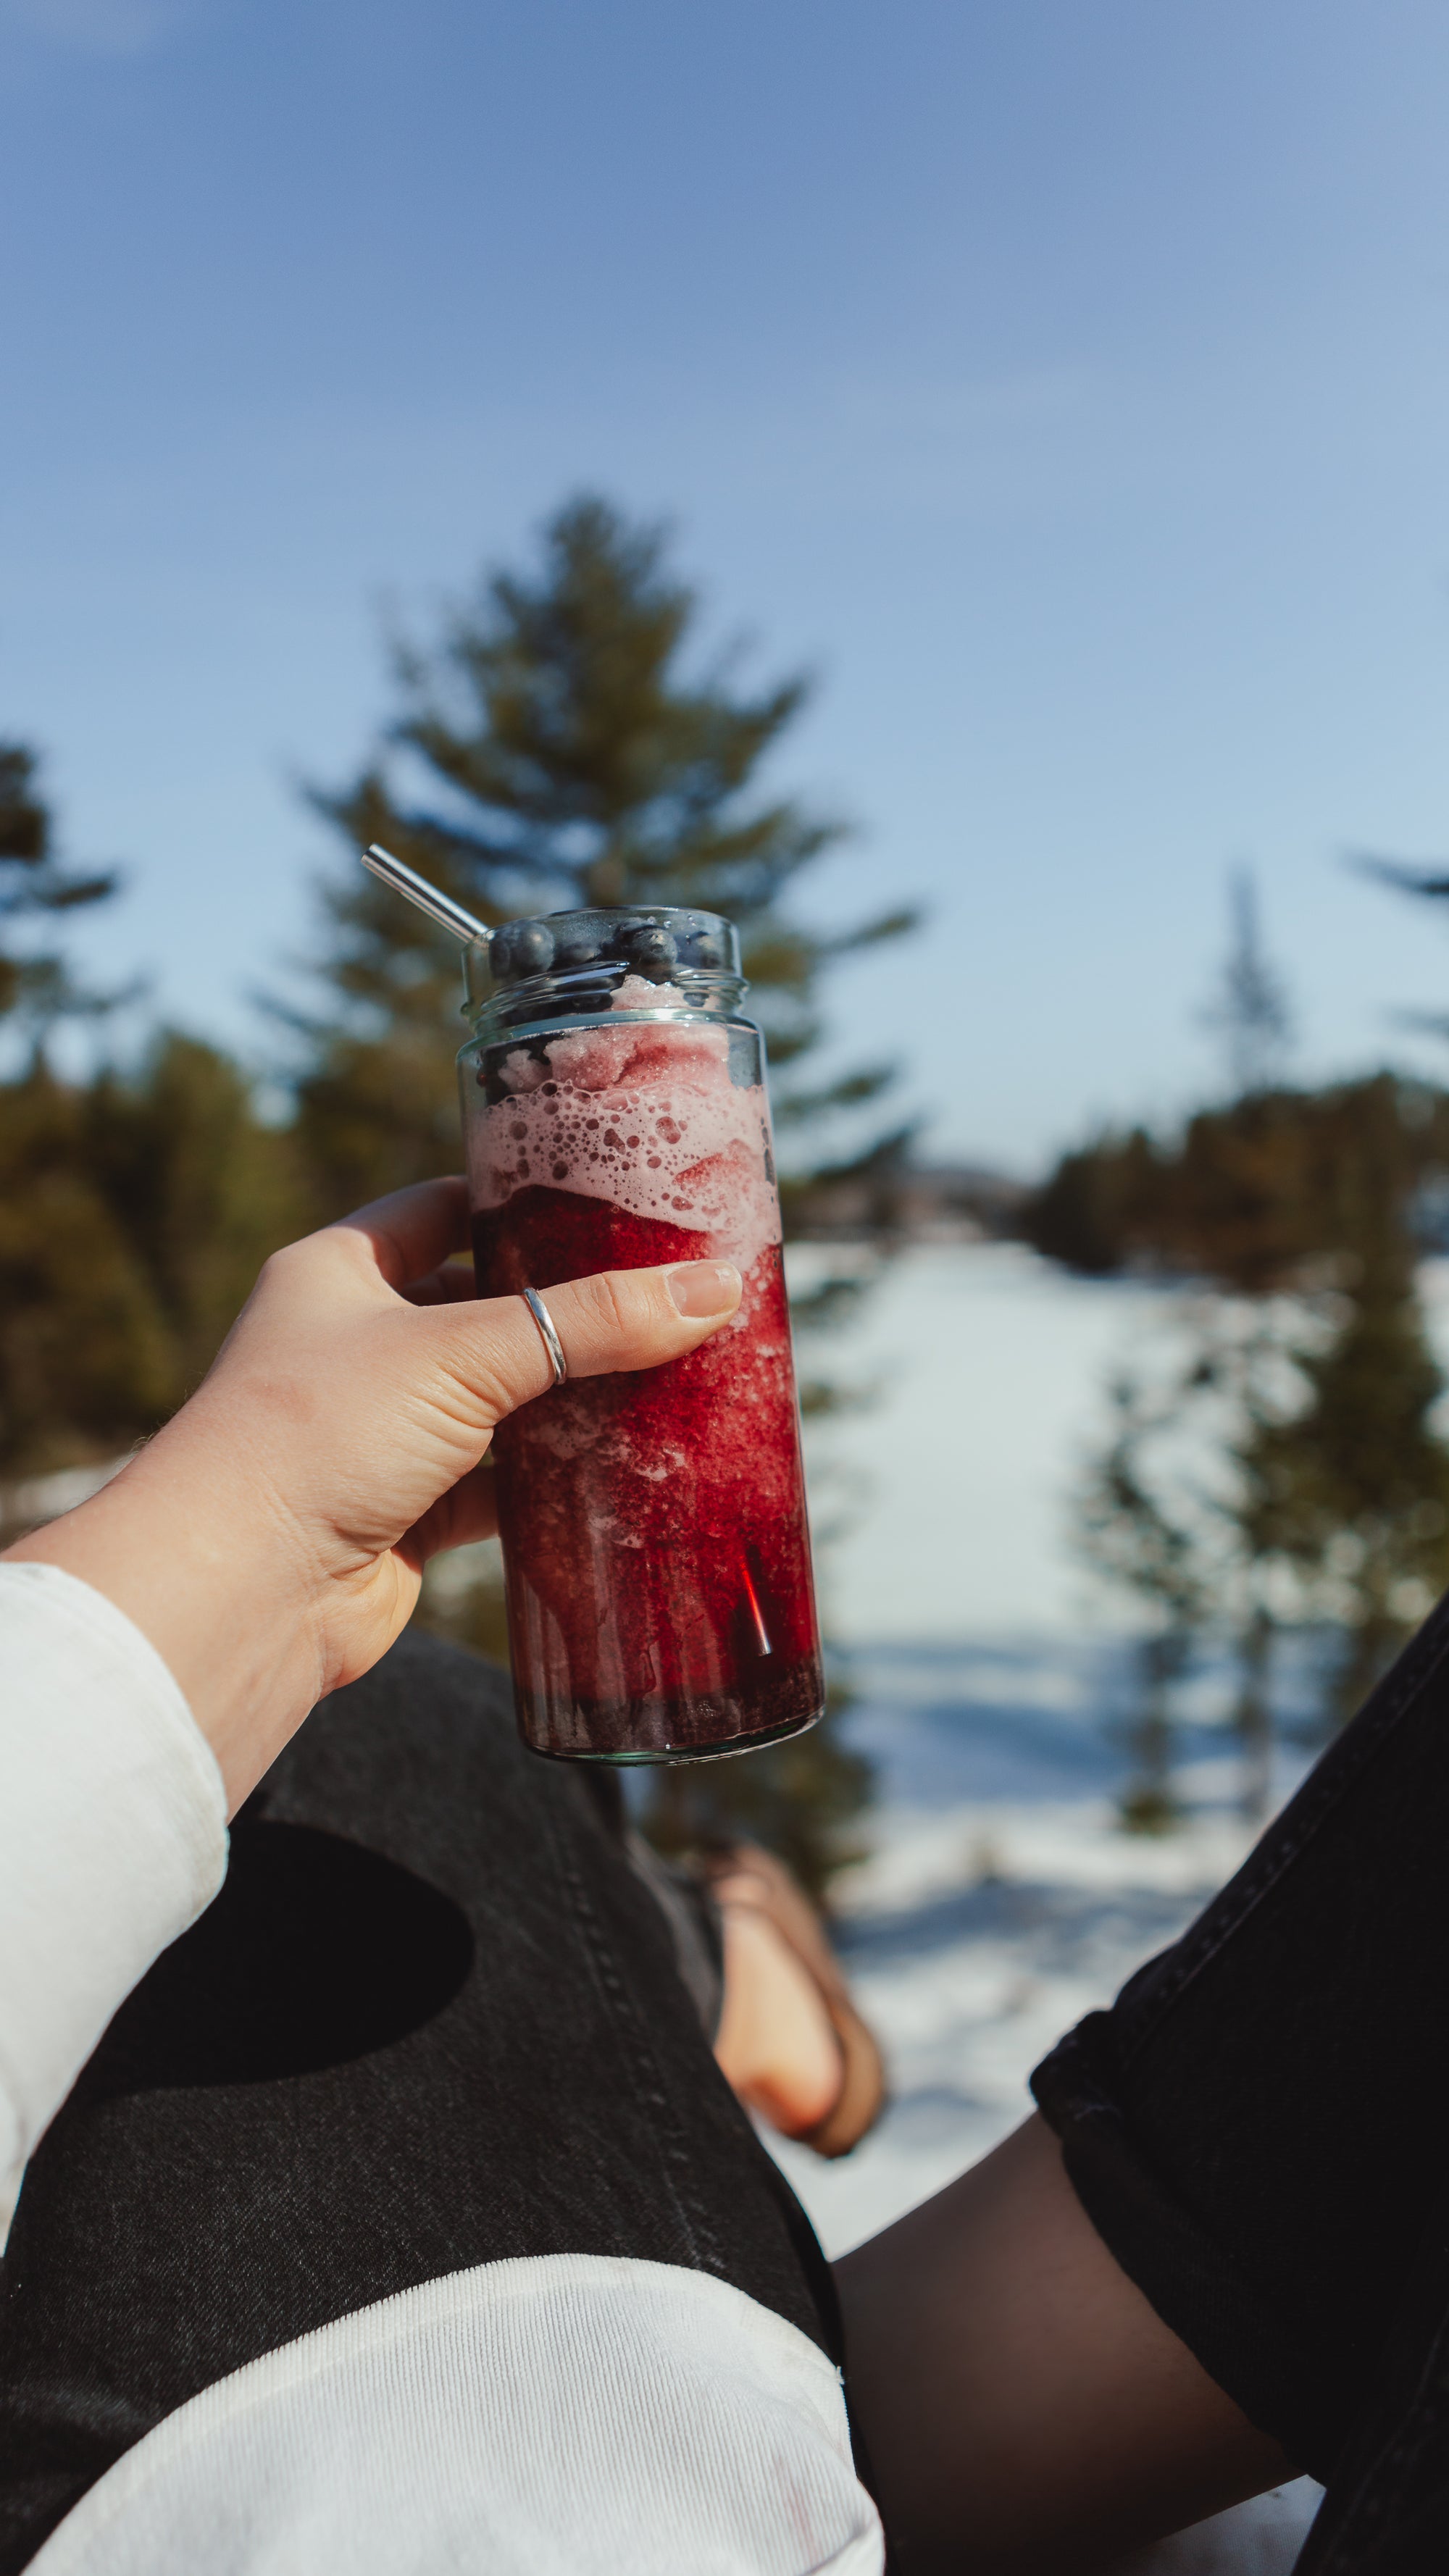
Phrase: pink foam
pixel 646 1117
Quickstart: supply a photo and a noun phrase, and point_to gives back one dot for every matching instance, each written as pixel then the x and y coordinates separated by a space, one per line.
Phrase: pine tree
pixel 1353 1486
pixel 1427 885
pixel 135 1212
pixel 565 745
pixel 82 1350
pixel 34 983
pixel 558 748
pixel 1134 1530
pixel 1250 1010
pixel 201 1187
pixel 85 1357
pixel 135 1208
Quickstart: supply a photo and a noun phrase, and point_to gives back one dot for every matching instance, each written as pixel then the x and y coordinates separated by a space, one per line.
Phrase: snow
pixel 989 1368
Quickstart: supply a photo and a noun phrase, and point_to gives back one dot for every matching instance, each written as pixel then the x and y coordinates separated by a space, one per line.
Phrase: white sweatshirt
pixel 553 2416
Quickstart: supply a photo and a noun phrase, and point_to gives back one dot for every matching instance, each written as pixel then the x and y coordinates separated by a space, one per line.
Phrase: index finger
pixel 411 1231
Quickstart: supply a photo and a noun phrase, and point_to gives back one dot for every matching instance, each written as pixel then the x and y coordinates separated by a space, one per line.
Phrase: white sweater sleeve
pixel 112 1835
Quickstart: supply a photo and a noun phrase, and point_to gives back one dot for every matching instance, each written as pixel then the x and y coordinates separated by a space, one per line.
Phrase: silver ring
pixel 551 1342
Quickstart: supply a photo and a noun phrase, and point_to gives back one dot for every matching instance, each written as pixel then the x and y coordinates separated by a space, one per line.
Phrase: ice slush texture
pixel 655 1538
pixel 645 1117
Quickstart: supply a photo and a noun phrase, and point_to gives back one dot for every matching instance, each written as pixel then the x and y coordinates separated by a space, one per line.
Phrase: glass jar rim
pixel 562 965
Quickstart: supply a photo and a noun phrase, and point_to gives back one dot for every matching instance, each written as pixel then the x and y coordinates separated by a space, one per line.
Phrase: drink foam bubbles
pixel 645 1117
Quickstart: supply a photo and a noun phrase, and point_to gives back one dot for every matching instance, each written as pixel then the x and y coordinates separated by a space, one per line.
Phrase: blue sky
pixel 1067 386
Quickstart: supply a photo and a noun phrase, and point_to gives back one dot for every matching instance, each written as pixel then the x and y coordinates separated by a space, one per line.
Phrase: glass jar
pixel 655 1545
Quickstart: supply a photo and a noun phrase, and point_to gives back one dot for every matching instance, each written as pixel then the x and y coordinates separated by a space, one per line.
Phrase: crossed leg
pixel 1024 2410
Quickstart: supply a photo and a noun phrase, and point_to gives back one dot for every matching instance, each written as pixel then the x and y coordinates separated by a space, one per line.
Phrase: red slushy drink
pixel 660 1602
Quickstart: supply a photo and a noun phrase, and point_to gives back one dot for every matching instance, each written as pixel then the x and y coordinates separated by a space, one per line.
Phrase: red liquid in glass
pixel 654 1532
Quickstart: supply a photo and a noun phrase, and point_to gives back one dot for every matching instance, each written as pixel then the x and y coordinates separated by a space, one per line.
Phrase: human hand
pixel 270 1540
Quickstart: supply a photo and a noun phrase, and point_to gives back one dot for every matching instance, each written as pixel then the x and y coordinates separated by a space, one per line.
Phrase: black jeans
pixel 1259 2128
pixel 434 2019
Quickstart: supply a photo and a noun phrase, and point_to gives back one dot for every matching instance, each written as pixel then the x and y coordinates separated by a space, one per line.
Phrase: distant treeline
pixel 1257 1195
pixel 136 1209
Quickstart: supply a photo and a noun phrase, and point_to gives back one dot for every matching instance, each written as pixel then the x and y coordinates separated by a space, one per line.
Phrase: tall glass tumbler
pixel 655 1546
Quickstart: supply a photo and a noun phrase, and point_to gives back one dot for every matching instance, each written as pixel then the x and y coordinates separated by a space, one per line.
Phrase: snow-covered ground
pixel 954 1484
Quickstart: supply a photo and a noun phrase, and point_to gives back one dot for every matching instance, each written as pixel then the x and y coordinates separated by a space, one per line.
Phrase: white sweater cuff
pixel 112 1834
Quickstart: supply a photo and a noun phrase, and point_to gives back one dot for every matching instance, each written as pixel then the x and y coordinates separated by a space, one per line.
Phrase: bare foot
pixel 775 2045
pixel 790 2039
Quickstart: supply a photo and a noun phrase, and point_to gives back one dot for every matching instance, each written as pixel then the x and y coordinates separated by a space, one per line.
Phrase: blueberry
pixel 649 950
pixel 520 948
pixel 707 948
pixel 576 943
pixel 530 947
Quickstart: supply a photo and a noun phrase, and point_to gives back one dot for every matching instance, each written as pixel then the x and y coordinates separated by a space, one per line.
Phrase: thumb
pixel 618 1319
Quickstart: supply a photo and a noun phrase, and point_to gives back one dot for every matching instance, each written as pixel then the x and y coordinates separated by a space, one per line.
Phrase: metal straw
pixel 430 899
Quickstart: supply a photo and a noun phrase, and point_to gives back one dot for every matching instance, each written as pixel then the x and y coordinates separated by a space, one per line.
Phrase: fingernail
pixel 704 1287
